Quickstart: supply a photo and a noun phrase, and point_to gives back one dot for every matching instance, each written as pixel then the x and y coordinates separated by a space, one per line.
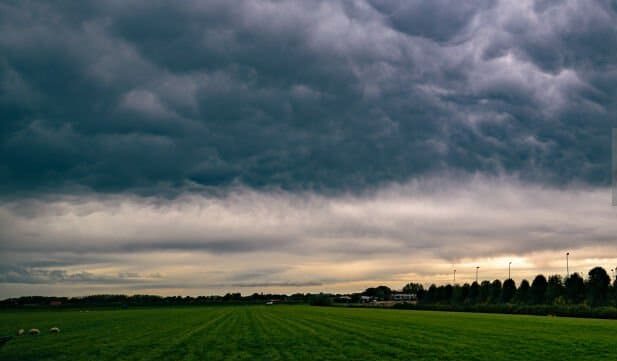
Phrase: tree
pixel 457 295
pixel 485 292
pixel 538 289
pixel 508 290
pixel 495 291
pixel 447 292
pixel 464 292
pixel 554 289
pixel 431 295
pixel 615 292
pixel 575 289
pixel 413 288
pixel 597 286
pixel 320 300
pixel 383 292
pixel 474 293
pixel 522 294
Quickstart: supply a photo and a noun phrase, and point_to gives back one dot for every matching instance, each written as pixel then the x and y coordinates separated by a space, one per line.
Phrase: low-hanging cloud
pixel 433 219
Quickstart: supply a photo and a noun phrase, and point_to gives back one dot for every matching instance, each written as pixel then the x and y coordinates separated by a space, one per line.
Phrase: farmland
pixel 282 332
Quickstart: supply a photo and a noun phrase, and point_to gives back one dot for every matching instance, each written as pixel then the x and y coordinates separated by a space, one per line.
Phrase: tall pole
pixel 509 264
pixel 454 276
pixel 567 264
pixel 477 267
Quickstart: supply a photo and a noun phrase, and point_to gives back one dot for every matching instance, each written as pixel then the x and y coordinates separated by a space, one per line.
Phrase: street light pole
pixel 567 264
pixel 509 264
pixel 477 267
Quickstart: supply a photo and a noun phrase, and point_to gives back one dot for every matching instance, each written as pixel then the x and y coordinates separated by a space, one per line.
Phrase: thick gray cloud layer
pixel 144 96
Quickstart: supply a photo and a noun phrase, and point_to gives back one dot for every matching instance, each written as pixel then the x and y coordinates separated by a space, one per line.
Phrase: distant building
pixel 403 297
pixel 365 299
pixel 342 299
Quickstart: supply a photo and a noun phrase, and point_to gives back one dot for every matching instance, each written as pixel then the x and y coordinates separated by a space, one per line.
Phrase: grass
pixel 303 333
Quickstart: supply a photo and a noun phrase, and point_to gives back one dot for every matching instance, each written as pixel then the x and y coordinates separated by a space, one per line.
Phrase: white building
pixel 403 297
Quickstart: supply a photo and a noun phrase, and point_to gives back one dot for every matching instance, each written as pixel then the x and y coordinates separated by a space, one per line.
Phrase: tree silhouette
pixel 495 291
pixel 431 294
pixel 522 294
pixel 474 292
pixel 575 289
pixel 485 292
pixel 597 286
pixel 465 292
pixel 538 289
pixel 508 290
pixel 413 288
pixel 554 289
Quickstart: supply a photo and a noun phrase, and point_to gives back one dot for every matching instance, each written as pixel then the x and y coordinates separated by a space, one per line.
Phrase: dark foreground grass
pixel 303 333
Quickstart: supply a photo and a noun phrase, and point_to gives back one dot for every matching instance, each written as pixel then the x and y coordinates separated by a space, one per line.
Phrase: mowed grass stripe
pixel 358 334
pixel 273 341
pixel 163 330
pixel 403 336
pixel 177 344
pixel 205 343
pixel 305 340
pixel 351 342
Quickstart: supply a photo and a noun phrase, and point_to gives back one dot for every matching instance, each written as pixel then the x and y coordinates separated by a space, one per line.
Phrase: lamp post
pixel 477 268
pixel 567 264
pixel 509 264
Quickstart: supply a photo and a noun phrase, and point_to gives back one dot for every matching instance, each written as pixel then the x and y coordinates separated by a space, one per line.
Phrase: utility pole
pixel 567 264
pixel 509 264
pixel 477 268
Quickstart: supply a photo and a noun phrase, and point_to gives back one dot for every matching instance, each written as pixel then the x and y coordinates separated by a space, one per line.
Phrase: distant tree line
pixel 575 296
pixel 594 290
pixel 151 300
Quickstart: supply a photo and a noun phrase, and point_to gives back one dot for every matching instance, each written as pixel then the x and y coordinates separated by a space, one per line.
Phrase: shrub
pixel 320 300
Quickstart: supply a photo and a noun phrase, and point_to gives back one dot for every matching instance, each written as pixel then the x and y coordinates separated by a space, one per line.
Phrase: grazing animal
pixel 54 330
pixel 34 331
pixel 20 332
pixel 5 339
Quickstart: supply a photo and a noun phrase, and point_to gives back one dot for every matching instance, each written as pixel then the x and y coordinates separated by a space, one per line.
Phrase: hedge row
pixel 605 312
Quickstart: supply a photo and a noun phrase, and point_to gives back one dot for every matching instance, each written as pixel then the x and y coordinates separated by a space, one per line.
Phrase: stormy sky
pixel 201 147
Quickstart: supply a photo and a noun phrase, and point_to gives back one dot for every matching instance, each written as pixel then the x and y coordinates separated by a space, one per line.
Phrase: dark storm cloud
pixel 147 97
pixel 439 20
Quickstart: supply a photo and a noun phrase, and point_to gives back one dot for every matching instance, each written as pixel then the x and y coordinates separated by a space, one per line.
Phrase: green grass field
pixel 303 333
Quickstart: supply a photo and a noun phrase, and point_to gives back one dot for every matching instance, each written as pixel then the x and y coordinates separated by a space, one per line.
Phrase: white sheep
pixel 54 330
pixel 20 332
pixel 34 331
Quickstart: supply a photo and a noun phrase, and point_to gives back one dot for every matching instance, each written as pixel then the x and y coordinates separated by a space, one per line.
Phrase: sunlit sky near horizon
pixel 205 147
